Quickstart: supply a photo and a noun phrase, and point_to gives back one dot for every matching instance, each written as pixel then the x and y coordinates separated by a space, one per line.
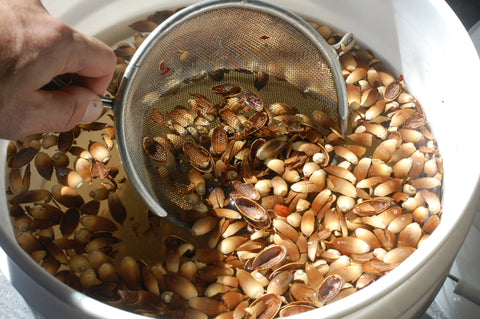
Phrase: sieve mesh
pixel 247 35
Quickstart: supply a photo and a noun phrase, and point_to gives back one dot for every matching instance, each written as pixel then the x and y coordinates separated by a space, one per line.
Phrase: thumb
pixel 68 107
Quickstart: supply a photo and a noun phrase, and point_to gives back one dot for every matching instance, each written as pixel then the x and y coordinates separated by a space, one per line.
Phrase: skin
pixel 36 47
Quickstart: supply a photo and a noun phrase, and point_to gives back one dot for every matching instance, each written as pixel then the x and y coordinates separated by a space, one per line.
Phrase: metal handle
pixel 107 102
pixel 344 45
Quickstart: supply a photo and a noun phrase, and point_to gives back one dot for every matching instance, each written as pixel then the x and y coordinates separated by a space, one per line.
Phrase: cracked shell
pixel 371 207
pixel 330 287
pixel 265 307
pixel 199 157
pixel 269 257
pixel 254 214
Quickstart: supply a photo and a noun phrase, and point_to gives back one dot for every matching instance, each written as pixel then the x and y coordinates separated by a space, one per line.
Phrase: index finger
pixel 91 59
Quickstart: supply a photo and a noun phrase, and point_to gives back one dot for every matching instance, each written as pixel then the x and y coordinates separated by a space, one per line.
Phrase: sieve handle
pixel 107 102
pixel 344 45
pixel 65 80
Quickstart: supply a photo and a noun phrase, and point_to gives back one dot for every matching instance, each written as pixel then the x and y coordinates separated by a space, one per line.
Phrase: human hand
pixel 36 47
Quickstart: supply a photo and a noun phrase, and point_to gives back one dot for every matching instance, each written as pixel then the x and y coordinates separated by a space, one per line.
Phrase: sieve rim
pixel 157 35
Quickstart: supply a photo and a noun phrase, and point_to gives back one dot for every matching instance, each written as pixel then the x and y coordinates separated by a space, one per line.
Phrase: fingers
pixel 50 111
pixel 92 60
pixel 66 108
pixel 63 50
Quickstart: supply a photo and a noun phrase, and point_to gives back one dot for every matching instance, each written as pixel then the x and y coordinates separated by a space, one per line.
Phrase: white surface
pixel 4 264
pixel 427 44
pixel 466 264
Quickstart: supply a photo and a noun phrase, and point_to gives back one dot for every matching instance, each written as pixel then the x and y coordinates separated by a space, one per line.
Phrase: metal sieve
pixel 230 35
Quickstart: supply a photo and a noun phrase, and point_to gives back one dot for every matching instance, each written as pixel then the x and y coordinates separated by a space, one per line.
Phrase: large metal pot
pixel 424 41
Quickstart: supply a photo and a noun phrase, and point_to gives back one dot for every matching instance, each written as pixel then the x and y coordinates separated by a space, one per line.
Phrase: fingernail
pixel 93 112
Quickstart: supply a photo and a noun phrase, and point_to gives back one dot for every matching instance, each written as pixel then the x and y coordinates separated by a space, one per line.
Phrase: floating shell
pixel 69 177
pixel 95 223
pixel 117 210
pixel 269 257
pixel 49 140
pixel 69 221
pixel 386 237
pixel 182 116
pixel 355 76
pixel 90 208
pixel 431 224
pixel 227 213
pixel 15 181
pixel 426 183
pixel 271 149
pixel 375 110
pixel 363 138
pixel 307 187
pixel 324 120
pixel 279 284
pixel 265 307
pixel 130 272
pixel 409 236
pixel 397 255
pixel 388 187
pixel 346 154
pixel 351 245
pixel 227 89
pixel 353 96
pixel 219 140
pixel 392 91
pixel 399 223
pixel 216 198
pixel 230 244
pixel 254 214
pixel 65 141
pixel 155 150
pixel 261 80
pixel 368 237
pixel 369 97
pixel 303 292
pixel 124 50
pixel 250 286
pixel 255 122
pixel 83 168
pixel 207 306
pixel 341 186
pixel 295 308
pixel 60 159
pixel 253 101
pixel 246 190
pixel 22 157
pixel 330 287
pixel 342 173
pixel 199 157
pixel 44 165
pixel 233 228
pixel 31 196
pixel 181 286
pixel 282 109
pixel 372 207
pixel 401 116
pixel 99 152
pixel 284 228
pixel 67 196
